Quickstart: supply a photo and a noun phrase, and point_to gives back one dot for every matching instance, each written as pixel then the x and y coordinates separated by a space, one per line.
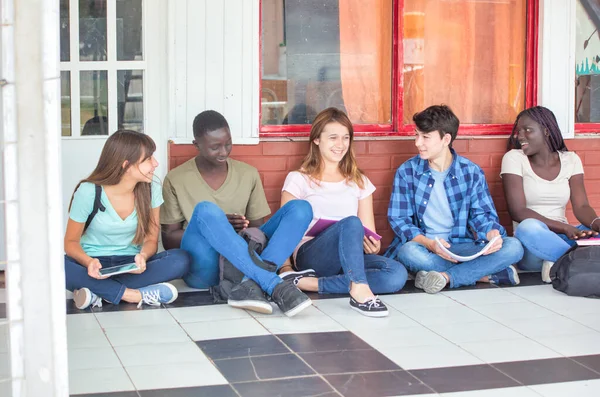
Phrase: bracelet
pixel 592 224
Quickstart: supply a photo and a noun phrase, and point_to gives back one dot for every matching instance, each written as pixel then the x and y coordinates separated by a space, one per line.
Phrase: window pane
pixel 129 30
pixel 321 53
pixel 94 102
pixel 131 99
pixel 92 30
pixel 469 55
pixel 65 31
pixel 65 103
pixel 587 68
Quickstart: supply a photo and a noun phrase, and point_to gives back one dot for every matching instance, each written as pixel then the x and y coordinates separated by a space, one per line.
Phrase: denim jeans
pixel 209 234
pixel 416 257
pixel 541 243
pixel 164 266
pixel 338 258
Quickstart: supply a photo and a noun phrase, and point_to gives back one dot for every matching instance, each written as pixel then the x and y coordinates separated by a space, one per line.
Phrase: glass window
pixel 587 58
pixel 131 99
pixel 65 31
pixel 92 30
pixel 94 102
pixel 467 54
pixel 65 103
pixel 129 30
pixel 322 53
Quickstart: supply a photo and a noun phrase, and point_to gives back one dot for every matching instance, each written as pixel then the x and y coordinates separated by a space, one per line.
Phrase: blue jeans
pixel 416 257
pixel 338 258
pixel 541 243
pixel 209 234
pixel 164 266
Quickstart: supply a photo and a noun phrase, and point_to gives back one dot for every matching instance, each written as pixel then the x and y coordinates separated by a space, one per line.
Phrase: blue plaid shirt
pixel 468 195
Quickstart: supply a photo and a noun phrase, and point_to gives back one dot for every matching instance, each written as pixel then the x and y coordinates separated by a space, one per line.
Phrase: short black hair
pixel 207 121
pixel 438 118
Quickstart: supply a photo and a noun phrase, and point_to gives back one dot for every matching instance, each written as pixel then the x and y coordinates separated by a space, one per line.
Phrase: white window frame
pixel 111 66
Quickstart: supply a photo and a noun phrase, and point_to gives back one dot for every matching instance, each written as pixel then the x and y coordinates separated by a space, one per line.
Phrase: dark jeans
pixel 165 266
pixel 338 258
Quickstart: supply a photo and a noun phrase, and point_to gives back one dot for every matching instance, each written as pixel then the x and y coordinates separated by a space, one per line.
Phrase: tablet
pixel 323 224
pixel 113 271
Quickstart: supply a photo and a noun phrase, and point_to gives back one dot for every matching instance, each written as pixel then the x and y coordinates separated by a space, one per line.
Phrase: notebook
pixel 589 241
pixel 466 258
pixel 323 224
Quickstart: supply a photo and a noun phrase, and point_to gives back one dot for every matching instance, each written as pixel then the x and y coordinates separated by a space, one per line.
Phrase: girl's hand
pixel 93 269
pixel 574 233
pixel 140 261
pixel 371 246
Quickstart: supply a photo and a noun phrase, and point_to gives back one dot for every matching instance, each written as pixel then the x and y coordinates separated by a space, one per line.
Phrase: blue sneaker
pixel 156 294
pixel 507 276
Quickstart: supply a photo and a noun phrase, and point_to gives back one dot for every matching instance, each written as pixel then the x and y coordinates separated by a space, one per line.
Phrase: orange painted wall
pixel 379 160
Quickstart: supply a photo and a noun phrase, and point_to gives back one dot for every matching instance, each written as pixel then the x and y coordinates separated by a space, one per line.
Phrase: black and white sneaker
pixel 290 299
pixel 372 307
pixel 248 295
pixel 294 277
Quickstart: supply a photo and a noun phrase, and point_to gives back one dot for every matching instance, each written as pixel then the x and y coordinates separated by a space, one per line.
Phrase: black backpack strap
pixel 97 206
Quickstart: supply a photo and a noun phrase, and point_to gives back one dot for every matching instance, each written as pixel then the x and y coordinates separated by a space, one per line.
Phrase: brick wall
pixel 379 160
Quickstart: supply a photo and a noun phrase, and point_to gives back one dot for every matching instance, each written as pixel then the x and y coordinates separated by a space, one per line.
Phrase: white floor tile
pixel 458 314
pixel 299 324
pixel 155 334
pixel 338 306
pixel 586 388
pixel 207 313
pixel 401 337
pixel 545 326
pixel 90 358
pixel 104 380
pixel 166 353
pixel 80 322
pixel 224 329
pixel 508 350
pixel 445 355
pixel 81 339
pixel 175 375
pixel 309 311
pixel 483 296
pixel 520 391
pixel 573 345
pixel 356 321
pixel 418 301
pixel 474 332
pixel 535 291
pixel 513 310
pixel 590 319
pixel 135 318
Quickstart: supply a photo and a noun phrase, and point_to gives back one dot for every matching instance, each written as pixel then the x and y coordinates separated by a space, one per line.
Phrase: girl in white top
pixel 540 177
pixel 343 258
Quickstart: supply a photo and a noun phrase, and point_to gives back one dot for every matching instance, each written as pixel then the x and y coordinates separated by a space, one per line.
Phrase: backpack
pixel 577 272
pixel 229 275
pixel 98 206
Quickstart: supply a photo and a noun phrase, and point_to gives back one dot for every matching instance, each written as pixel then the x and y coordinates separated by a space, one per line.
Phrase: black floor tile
pixel 471 377
pixel 122 307
pixel 551 370
pixel 264 367
pixel 203 391
pixel 592 362
pixel 188 299
pixel 242 347
pixel 343 362
pixel 527 279
pixel 376 384
pixel 324 341
pixel 114 394
pixel 297 387
pixel 71 309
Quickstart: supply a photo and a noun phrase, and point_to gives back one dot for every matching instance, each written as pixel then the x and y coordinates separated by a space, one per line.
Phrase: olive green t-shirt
pixel 241 193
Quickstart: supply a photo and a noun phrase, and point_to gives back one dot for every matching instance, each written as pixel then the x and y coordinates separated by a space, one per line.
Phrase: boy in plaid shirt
pixel 441 195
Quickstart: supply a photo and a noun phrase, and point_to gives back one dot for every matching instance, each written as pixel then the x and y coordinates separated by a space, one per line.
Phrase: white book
pixel 470 257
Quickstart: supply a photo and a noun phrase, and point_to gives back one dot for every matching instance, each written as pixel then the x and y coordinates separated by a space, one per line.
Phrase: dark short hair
pixel 207 121
pixel 437 118
pixel 547 120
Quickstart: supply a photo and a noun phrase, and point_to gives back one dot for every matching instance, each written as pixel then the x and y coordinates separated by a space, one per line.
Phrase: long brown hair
pixel 133 147
pixel 313 163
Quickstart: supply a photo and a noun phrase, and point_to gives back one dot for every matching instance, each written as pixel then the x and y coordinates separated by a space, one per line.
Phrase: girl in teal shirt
pixel 123 231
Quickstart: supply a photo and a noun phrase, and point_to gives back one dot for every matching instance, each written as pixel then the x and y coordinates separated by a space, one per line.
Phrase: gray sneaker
pixel 433 282
pixel 419 279
pixel 290 299
pixel 248 295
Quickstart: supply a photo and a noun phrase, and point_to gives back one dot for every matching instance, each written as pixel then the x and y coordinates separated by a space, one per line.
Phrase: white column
pixel 35 270
pixel 556 84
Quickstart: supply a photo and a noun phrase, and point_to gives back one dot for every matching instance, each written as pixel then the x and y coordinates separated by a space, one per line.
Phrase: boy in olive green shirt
pixel 210 198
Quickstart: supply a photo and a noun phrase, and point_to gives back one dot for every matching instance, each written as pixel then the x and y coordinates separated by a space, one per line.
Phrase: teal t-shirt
pixel 108 234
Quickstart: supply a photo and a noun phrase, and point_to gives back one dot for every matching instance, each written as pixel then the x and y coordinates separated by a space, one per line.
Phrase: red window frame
pixel 397 127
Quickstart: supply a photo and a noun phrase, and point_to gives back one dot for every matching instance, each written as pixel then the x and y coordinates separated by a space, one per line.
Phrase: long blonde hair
pixel 130 146
pixel 313 162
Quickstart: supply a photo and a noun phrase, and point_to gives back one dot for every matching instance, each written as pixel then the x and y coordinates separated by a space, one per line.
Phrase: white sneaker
pixel 83 298
pixel 546 266
pixel 420 279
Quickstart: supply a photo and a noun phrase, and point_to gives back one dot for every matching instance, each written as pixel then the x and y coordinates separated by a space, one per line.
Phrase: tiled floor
pixel 486 341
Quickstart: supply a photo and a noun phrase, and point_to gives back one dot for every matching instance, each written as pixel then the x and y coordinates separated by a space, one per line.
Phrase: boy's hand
pixel 239 222
pixel 497 245
pixel 371 246
pixel 435 248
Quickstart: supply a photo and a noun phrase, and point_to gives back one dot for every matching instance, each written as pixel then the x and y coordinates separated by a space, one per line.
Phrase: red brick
pixel 360 147
pixel 492 175
pixel 284 148
pixel 461 145
pixel 584 144
pixel 380 207
pixel 487 145
pixel 273 194
pixel 496 160
pixel 294 163
pixel 482 160
pixel 392 147
pixel 374 162
pixel 496 189
pixel 381 178
pixel 592 187
pixel 274 179
pixel 400 159
pixel 592 172
pixel 383 192
pixel 267 163
pixel 246 150
pixel 590 158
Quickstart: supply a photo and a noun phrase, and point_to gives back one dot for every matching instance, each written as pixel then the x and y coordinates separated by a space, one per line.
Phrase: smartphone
pixel 114 270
